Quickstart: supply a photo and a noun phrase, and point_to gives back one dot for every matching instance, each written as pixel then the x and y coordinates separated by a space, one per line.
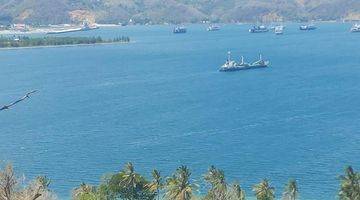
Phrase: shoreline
pixel 48 29
pixel 67 45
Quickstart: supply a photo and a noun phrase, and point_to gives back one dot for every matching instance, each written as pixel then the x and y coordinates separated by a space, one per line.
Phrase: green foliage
pixel 178 186
pixel 128 185
pixel 350 185
pixel 85 192
pixel 216 178
pixel 25 41
pixel 263 191
pixel 121 39
pixel 236 192
pixel 157 183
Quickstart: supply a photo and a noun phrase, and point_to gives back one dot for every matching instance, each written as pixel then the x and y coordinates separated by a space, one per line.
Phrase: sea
pixel 160 102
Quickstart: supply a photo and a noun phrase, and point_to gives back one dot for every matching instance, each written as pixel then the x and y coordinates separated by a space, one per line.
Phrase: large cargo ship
pixel 231 65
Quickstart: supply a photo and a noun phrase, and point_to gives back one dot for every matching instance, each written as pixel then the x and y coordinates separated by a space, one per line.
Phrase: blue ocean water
pixel 160 102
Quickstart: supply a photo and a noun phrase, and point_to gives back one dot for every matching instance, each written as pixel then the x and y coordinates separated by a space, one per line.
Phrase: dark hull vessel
pixel 259 29
pixel 307 27
pixel 180 29
pixel 238 68
pixel 231 65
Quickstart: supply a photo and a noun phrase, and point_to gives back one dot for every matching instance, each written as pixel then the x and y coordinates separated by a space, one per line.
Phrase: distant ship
pixel 259 29
pixel 180 29
pixel 307 27
pixel 355 28
pixel 213 28
pixel 231 65
pixel 279 30
pixel 85 27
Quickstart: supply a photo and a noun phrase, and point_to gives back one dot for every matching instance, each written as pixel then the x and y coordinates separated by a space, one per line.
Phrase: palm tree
pixel 133 185
pixel 216 178
pixel 291 191
pixel 156 184
pixel 129 176
pixel 127 185
pixel 237 192
pixel 263 191
pixel 84 191
pixel 178 186
pixel 350 185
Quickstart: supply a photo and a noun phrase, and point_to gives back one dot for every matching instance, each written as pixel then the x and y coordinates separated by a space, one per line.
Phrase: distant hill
pixel 175 11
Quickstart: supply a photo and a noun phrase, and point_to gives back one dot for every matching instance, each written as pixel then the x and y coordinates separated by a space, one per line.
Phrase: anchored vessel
pixel 259 29
pixel 231 65
pixel 307 27
pixel 213 28
pixel 180 29
pixel 355 28
pixel 279 30
pixel 86 27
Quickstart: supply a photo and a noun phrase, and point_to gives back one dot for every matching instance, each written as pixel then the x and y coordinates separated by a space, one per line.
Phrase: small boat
pixel 231 65
pixel 307 27
pixel 180 29
pixel 213 28
pixel 279 30
pixel 355 28
pixel 259 29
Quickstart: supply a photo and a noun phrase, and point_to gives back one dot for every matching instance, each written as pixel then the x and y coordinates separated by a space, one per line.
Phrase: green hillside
pixel 175 11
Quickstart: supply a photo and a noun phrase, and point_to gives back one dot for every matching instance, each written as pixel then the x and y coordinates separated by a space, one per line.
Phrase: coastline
pixel 68 45
pixel 49 29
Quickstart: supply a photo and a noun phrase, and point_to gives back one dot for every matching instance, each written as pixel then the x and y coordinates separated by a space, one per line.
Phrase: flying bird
pixel 26 96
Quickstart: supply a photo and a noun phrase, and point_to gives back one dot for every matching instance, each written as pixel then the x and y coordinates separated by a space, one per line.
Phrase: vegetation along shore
pixel 25 41
pixel 127 184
